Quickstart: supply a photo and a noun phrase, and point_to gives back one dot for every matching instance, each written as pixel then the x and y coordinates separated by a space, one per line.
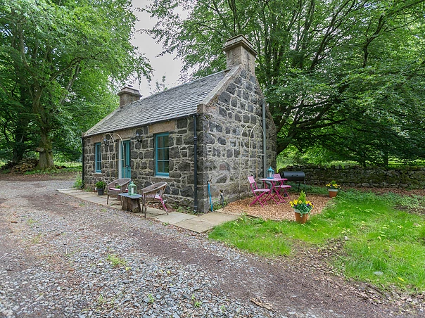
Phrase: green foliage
pixel 57 64
pixel 254 235
pixel 151 299
pixel 183 209
pixel 333 185
pixel 100 185
pixel 54 171
pixel 382 238
pixel 301 205
pixel 218 205
pixel 116 260
pixel 342 78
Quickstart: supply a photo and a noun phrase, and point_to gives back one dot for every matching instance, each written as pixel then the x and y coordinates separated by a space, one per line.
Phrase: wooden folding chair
pixel 259 193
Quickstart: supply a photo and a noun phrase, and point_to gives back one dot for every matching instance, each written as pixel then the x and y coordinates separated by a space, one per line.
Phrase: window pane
pixel 162 154
pixel 98 157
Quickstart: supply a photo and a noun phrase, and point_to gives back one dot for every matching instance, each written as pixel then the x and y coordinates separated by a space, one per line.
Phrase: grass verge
pixel 55 171
pixel 383 237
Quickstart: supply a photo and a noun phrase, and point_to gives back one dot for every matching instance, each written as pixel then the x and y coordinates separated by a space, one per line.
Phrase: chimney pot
pixel 127 95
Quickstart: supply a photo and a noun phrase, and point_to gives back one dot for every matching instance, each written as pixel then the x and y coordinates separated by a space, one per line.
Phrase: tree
pixel 326 67
pixel 50 51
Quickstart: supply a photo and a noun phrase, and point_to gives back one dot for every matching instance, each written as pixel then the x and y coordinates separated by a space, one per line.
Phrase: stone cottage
pixel 216 130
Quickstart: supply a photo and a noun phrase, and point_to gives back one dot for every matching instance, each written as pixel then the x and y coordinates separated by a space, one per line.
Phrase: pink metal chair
pixel 282 187
pixel 259 193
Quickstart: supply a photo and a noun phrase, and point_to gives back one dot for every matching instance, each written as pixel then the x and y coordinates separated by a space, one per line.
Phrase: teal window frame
pixel 97 157
pixel 162 155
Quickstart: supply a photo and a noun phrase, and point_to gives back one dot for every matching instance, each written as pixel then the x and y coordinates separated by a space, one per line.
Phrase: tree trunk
pixel 17 153
pixel 45 160
pixel 20 136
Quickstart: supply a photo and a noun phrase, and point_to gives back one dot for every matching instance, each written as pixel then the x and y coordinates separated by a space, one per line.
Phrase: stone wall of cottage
pixel 180 181
pixel 109 160
pixel 179 191
pixel 232 141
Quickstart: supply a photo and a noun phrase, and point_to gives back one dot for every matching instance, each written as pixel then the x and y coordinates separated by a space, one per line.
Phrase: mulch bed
pixel 273 211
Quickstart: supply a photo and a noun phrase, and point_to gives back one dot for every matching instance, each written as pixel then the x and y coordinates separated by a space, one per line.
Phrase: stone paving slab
pixel 153 213
pixel 196 225
pixel 199 224
pixel 206 222
pixel 218 217
pixel 175 217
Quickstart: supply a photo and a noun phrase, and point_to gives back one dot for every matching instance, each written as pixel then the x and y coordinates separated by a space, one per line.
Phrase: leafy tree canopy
pixel 59 61
pixel 344 75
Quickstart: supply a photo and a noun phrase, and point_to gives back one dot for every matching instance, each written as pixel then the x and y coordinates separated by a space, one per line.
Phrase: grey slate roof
pixel 177 102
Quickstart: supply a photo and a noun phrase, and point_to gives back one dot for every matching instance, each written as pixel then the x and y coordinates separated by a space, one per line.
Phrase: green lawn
pixel 383 237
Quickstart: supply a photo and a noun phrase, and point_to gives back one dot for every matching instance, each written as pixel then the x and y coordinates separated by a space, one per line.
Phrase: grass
pixel 74 168
pixel 115 260
pixel 37 239
pixel 383 241
pixel 65 167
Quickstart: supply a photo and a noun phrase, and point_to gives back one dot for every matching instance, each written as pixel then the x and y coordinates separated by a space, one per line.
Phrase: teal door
pixel 125 160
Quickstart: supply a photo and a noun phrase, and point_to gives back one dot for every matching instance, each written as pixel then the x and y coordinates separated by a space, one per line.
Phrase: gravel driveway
pixel 63 257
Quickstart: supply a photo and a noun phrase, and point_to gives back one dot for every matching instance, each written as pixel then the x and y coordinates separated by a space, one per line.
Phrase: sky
pixel 166 65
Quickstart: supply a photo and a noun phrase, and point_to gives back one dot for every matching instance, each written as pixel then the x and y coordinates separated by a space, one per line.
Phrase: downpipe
pixel 195 168
pixel 209 195
pixel 264 139
pixel 82 162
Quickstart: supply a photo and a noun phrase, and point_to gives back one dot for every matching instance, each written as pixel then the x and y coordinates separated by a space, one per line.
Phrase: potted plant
pixel 333 188
pixel 302 208
pixel 100 187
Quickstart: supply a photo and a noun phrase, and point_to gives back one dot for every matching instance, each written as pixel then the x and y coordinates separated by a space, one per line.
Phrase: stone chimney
pixel 128 95
pixel 240 51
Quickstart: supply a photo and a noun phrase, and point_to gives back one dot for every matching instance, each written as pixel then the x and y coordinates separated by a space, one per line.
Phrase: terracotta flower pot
pixel 300 219
pixel 332 193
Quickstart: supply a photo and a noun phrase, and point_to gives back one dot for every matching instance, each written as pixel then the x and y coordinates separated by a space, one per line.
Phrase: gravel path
pixel 63 257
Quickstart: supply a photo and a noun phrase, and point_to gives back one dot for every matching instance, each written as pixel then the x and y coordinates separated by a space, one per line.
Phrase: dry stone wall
pixel 406 177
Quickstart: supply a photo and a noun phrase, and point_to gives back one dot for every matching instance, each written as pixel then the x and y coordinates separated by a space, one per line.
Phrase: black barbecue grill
pixel 296 176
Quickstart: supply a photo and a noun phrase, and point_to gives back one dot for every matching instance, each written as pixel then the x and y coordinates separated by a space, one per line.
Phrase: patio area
pixel 195 223
pixel 273 211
